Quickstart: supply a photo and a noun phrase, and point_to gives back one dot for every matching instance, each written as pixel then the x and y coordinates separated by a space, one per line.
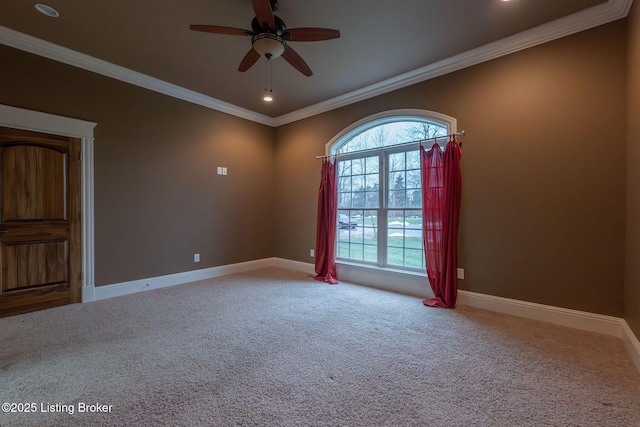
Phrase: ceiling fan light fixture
pixel 268 45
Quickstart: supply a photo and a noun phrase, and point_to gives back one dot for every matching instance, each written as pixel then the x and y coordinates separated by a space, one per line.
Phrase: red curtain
pixel 441 189
pixel 326 227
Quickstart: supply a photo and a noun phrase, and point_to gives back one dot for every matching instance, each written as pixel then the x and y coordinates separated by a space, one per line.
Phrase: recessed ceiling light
pixel 47 10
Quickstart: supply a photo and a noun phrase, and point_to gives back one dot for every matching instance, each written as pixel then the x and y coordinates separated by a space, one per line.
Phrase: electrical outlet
pixel 461 273
pixel 312 253
pixel 219 170
pixel 196 257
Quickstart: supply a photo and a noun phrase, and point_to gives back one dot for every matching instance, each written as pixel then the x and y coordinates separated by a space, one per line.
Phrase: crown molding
pixel 597 15
pixel 67 56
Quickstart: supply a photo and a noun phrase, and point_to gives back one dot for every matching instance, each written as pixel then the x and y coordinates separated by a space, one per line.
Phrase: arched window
pixel 379 194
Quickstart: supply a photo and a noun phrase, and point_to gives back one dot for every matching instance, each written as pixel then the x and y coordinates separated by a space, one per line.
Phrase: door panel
pixel 35 178
pixel 40 221
pixel 34 264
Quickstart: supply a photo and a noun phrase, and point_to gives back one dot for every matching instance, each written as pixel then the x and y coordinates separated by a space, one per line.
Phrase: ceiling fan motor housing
pixel 280 26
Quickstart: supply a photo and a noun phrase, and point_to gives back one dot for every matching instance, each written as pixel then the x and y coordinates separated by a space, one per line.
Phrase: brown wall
pixel 543 208
pixel 632 282
pixel 158 199
pixel 543 170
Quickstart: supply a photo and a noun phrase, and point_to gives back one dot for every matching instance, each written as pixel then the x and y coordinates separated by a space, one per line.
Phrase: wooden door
pixel 40 221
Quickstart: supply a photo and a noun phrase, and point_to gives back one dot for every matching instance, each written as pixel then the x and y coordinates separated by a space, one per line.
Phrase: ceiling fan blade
pixel 216 29
pixel 310 34
pixel 263 11
pixel 249 59
pixel 296 61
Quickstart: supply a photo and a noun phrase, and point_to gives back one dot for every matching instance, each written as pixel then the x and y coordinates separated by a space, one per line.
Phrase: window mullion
pixel 382 211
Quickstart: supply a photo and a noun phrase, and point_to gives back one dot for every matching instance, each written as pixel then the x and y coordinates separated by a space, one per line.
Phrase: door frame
pixel 19 118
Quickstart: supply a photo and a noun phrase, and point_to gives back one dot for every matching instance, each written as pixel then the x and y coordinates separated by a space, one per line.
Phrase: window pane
pixel 413 258
pixel 413 179
pixel 371 253
pixel 372 182
pixel 356 252
pixel 397 198
pixel 357 182
pixel 370 219
pixel 404 238
pixel 372 199
pixel 414 192
pixel 397 162
pixel 396 219
pixel 358 167
pixel 413 229
pixel 397 193
pixel 343 249
pixel 358 199
pixel 357 235
pixel 344 200
pixel 396 180
pixel 413 159
pixel 356 188
pixel 395 256
pixel 345 191
pixel 373 164
pixel 344 167
pixel 414 198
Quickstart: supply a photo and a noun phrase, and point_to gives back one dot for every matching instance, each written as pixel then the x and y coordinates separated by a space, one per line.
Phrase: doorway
pixel 47 251
pixel 40 221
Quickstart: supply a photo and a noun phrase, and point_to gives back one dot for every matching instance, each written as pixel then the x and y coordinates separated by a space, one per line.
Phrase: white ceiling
pixel 384 45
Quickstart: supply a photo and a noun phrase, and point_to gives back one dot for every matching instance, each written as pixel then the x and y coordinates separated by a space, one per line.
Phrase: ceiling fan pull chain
pixel 268 76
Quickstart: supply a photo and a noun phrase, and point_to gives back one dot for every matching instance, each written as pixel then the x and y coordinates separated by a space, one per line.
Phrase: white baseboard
pixel 134 286
pixel 631 343
pixel 396 281
pixel 586 321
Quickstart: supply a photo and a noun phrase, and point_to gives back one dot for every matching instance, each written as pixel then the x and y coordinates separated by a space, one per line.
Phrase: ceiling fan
pixel 270 37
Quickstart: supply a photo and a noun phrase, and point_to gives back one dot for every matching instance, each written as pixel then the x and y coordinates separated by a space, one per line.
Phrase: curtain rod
pixel 420 141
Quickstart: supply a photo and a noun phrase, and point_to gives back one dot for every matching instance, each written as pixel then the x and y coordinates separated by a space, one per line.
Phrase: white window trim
pixel 407 280
pixel 19 118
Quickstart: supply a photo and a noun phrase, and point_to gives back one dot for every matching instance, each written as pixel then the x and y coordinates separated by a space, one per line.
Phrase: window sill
pixel 391 279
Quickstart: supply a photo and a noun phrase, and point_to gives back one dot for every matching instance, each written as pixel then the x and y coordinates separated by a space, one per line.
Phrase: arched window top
pixel 391 128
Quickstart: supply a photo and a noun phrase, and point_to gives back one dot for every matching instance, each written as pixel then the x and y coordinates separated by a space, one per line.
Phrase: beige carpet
pixel 275 348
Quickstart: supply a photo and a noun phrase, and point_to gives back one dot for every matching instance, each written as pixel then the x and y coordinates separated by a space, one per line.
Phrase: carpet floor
pixel 273 347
